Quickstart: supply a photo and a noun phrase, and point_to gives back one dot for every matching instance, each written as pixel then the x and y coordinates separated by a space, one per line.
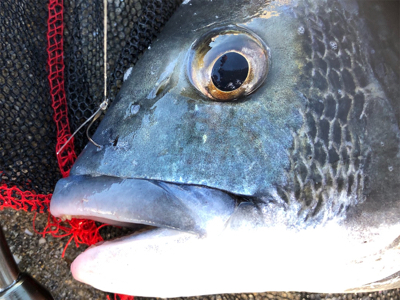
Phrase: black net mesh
pixel 27 130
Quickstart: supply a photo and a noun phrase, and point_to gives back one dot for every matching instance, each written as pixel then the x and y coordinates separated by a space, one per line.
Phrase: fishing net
pixel 27 132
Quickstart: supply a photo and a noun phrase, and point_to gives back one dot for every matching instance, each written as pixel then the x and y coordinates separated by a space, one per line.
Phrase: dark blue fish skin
pixel 318 143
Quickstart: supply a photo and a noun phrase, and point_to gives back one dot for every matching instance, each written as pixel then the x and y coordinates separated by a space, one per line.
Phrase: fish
pixel 259 141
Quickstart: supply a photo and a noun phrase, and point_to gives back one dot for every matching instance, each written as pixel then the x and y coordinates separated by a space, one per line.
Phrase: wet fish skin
pixel 311 157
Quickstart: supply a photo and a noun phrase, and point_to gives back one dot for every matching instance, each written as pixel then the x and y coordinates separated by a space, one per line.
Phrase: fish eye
pixel 228 63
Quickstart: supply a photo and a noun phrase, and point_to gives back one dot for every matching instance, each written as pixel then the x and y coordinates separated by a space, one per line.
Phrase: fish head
pixel 261 143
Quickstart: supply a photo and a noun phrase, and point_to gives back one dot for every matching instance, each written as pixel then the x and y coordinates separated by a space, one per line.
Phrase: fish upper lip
pixel 125 201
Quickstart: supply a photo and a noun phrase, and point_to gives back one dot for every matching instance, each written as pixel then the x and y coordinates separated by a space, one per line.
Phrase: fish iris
pixel 229 71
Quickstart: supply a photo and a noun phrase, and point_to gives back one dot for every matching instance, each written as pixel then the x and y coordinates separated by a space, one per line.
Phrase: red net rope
pixel 121 297
pixel 55 51
pixel 80 231
pixel 25 200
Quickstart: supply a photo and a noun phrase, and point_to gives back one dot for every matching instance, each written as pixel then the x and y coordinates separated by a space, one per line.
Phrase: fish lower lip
pixel 124 202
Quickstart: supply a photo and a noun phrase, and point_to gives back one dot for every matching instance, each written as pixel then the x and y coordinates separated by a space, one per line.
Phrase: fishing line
pixel 104 104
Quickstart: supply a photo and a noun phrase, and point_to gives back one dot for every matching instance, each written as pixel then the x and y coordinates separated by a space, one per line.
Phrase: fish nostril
pixel 116 141
pixel 162 87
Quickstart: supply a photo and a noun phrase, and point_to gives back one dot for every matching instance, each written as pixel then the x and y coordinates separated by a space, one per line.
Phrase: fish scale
pixel 325 161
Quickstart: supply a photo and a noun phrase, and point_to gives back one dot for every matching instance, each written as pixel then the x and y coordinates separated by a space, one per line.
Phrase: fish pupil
pixel 229 71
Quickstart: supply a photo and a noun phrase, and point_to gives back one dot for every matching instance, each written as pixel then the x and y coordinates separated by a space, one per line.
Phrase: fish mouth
pixel 128 202
pixel 188 219
pixel 198 230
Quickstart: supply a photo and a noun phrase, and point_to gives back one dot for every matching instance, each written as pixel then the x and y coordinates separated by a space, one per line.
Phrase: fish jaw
pixel 168 263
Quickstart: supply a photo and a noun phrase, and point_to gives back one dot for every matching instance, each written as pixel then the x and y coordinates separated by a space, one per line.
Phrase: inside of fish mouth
pixel 109 233
pixel 113 230
pixel 136 205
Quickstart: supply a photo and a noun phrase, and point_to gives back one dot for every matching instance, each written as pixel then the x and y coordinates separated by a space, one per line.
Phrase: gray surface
pixel 44 263
pixel 8 268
